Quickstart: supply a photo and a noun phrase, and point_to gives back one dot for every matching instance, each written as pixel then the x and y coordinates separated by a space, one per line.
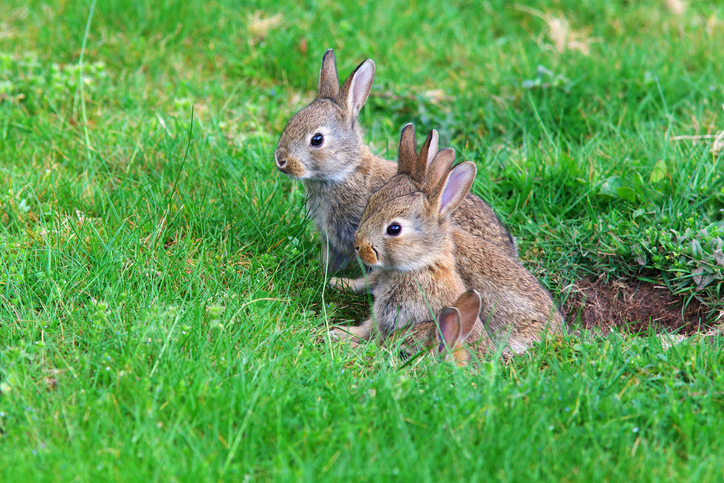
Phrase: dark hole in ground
pixel 632 306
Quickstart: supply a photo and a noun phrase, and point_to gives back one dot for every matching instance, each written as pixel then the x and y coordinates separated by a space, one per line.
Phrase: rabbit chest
pixel 406 298
pixel 336 213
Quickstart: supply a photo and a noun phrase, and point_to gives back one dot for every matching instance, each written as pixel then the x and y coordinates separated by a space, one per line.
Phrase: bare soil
pixel 632 306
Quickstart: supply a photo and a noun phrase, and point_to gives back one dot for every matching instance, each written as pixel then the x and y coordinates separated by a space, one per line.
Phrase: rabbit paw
pixel 356 285
pixel 343 335
pixel 355 335
pixel 339 283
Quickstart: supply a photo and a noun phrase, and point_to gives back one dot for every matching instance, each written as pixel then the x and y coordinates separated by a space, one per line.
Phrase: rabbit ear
pixel 408 150
pixel 426 154
pixel 450 328
pixel 433 139
pixel 456 187
pixel 468 305
pixel 436 171
pixel 328 80
pixel 356 88
pixel 439 167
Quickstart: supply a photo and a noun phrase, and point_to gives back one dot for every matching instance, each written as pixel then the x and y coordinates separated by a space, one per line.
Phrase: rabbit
pixel 516 308
pixel 455 326
pixel 406 237
pixel 322 145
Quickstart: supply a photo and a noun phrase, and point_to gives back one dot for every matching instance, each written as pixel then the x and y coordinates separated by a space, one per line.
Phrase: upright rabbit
pixel 450 336
pixel 322 145
pixel 406 237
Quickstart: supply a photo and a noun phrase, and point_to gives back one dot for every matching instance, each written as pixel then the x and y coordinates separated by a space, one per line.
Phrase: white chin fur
pixel 417 264
pixel 337 177
pixel 377 264
pixel 341 175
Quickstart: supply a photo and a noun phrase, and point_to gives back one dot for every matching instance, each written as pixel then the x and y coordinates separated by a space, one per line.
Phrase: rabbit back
pixel 516 309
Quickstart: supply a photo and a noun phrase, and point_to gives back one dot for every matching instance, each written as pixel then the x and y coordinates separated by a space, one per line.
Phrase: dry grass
pixel 677 7
pixel 259 25
pixel 561 34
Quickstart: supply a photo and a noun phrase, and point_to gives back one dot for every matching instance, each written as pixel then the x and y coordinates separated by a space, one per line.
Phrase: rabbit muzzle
pixel 367 253
pixel 287 164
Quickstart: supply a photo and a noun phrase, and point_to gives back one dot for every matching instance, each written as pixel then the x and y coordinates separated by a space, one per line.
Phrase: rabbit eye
pixel 394 229
pixel 317 140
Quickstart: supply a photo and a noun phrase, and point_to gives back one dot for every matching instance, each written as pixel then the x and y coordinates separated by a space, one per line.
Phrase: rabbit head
pixel 446 335
pixel 323 140
pixel 406 223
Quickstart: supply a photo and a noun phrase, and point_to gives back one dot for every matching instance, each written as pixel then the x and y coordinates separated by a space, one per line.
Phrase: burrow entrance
pixel 634 306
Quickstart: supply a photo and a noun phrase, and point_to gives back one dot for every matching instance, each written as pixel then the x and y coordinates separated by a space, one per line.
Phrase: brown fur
pixel 340 175
pixel 515 308
pixel 404 298
pixel 455 333
pixel 414 270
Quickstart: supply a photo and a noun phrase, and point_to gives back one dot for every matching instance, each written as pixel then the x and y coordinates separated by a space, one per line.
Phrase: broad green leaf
pixel 627 193
pixel 660 172
pixel 609 188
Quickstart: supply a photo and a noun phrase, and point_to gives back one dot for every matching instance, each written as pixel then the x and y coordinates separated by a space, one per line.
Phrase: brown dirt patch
pixel 632 306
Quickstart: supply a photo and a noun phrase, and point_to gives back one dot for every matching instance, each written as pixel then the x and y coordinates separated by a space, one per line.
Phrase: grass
pixel 161 306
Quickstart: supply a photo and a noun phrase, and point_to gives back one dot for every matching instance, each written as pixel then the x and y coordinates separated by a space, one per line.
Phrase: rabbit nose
pixel 367 253
pixel 280 159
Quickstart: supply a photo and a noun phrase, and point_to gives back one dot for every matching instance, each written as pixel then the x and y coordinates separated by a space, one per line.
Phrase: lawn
pixel 162 308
